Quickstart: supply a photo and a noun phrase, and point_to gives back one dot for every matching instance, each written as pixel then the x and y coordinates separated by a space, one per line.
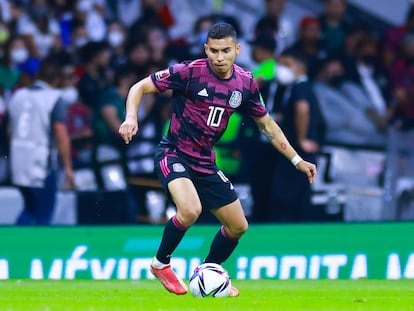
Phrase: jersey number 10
pixel 214 116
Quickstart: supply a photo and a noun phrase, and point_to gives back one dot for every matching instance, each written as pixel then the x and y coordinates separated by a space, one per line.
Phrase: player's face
pixel 221 54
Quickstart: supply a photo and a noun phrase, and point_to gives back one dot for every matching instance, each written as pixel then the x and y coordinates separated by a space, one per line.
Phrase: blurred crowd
pixel 326 80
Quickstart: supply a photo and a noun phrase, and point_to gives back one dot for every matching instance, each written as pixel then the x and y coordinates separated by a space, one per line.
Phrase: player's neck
pixel 224 76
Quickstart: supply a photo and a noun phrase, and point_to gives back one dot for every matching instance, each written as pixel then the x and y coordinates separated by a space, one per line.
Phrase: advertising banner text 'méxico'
pixel 329 251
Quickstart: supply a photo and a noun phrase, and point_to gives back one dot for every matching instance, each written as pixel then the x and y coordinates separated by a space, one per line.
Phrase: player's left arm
pixel 278 139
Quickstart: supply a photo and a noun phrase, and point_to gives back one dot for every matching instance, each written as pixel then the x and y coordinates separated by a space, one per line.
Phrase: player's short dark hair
pixel 222 30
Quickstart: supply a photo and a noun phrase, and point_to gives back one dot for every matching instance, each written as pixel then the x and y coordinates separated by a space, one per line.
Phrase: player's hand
pixel 309 169
pixel 128 129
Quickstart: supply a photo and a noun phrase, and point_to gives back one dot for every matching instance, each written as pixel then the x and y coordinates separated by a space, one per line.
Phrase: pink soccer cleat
pixel 170 280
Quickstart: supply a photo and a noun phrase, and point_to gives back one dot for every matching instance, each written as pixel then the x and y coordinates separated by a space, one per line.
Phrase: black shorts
pixel 214 190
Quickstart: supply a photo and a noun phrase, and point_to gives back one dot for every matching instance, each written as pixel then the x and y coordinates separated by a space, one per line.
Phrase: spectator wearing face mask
pixel 370 76
pixel 344 108
pixel 302 120
pixel 117 38
pixel 79 118
pixel 19 67
pixel 9 73
pixel 37 129
pixel 303 125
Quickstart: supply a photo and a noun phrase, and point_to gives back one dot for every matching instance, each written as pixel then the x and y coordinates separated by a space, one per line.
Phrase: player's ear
pixel 205 48
pixel 238 47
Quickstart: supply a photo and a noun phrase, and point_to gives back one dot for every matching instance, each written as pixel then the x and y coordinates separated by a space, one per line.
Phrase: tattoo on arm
pixel 283 146
pixel 270 135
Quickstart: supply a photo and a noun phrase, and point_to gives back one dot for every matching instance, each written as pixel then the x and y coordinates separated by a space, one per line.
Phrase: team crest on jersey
pixel 162 74
pixel 178 168
pixel 235 99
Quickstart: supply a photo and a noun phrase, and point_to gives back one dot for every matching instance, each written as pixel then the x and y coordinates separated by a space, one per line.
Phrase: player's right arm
pixel 129 127
pixel 278 139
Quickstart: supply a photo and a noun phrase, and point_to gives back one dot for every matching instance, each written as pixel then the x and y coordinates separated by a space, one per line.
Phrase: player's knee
pixel 238 230
pixel 187 215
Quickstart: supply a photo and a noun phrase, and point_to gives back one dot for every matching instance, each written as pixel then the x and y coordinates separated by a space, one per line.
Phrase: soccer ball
pixel 210 280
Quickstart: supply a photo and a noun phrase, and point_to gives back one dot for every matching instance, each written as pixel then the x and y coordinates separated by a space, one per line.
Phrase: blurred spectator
pixel 254 147
pixel 394 36
pixel 19 67
pixel 367 72
pixel 303 125
pixel 310 44
pixel 79 118
pixel 109 112
pixel 344 108
pixel 35 114
pixel 79 37
pixel 95 56
pixel 402 85
pixel 334 26
pixel 5 11
pixel 81 133
pixel 139 58
pixel 263 48
pixel 42 32
pixel 18 17
pixel 284 30
pixel 126 11
pixel 354 36
pixel 199 37
pixel 158 41
pixel 117 39
pixel 14 52
pixel 4 146
pixel 90 13
pixel 400 150
pixel 153 12
pixel 4 35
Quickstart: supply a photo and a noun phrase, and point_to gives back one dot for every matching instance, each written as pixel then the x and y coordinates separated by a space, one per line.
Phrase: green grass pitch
pixel 306 295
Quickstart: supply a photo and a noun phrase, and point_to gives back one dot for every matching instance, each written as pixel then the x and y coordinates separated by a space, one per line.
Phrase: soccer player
pixel 205 94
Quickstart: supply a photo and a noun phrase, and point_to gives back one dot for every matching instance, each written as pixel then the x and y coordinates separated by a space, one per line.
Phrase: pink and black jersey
pixel 202 104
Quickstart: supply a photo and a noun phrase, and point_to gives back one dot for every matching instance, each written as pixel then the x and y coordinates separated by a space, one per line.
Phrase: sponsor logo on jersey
pixel 162 74
pixel 235 99
pixel 203 93
pixel 178 168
